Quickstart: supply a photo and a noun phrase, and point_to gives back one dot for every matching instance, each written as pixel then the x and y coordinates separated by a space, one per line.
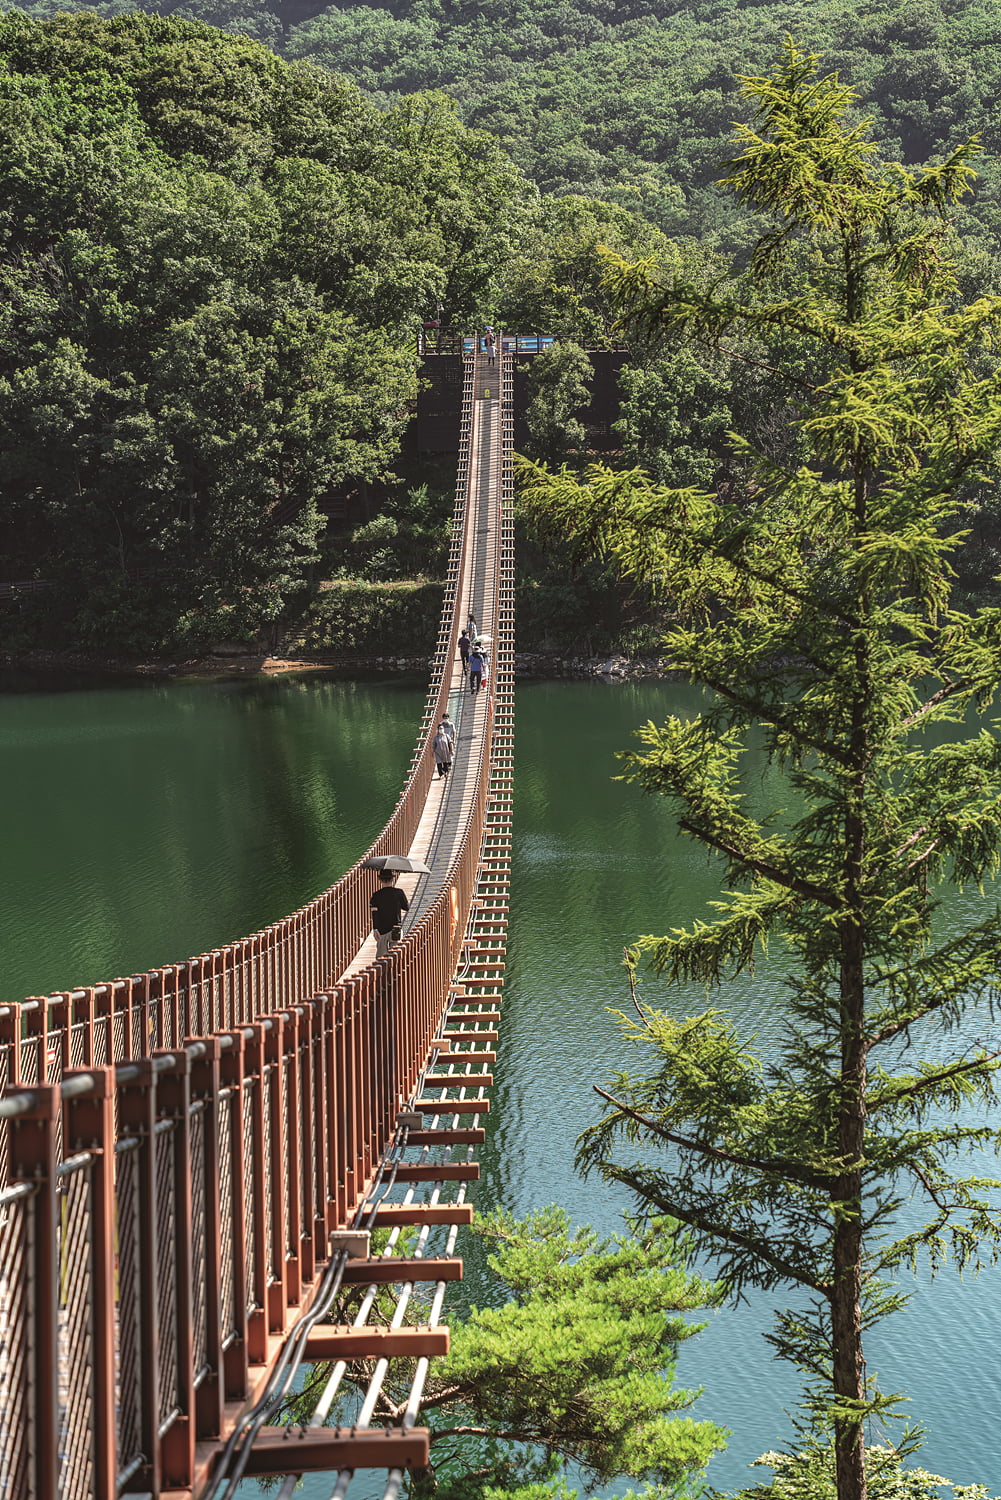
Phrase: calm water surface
pixel 143 824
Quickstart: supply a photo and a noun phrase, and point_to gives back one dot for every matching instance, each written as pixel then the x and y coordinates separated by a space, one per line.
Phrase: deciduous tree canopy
pixel 213 267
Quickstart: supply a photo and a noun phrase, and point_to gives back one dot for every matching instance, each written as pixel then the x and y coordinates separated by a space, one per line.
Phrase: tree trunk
pixel 846 1344
pixel 848 1365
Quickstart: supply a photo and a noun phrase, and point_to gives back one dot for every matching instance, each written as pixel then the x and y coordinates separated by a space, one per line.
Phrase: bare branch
pixel 779 1165
pixel 801 887
pixel 908 842
pixel 688 1215
pixel 632 991
pixel 928 1080
pixel 946 1208
pixel 947 691
pixel 919 858
pixel 823 747
pixel 764 364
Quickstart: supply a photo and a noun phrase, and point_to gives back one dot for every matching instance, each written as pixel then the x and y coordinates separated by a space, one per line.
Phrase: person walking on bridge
pixel 388 905
pixel 442 746
pixel 475 670
pixel 465 646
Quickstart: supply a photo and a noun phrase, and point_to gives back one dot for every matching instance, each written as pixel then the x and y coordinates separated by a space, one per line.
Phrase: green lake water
pixel 145 823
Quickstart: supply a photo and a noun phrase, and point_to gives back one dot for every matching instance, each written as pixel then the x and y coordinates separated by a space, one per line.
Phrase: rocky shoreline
pixel 537 664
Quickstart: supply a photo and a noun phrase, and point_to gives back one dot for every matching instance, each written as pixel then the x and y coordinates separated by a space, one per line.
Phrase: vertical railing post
pixel 314 1130
pixel 336 1109
pixel 296 1029
pixel 257 1268
pixel 107 1001
pixel 89 1125
pixel 274 1102
pixel 383 1043
pixel 34 1065
pixel 219 1019
pixel 312 1133
pixel 330 1205
pixel 142 1015
pixel 173 1095
pixel 137 1119
pixel 84 1010
pixel 233 955
pixel 366 1123
pixel 153 998
pixel 11 1027
pixel 236 1274
pixel 347 1100
pixel 205 1086
pixel 33 1159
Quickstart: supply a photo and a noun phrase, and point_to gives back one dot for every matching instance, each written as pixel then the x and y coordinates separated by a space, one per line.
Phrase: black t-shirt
pixel 388 905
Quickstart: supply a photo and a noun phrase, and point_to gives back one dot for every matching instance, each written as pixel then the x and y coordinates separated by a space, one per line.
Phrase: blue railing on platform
pixel 515 343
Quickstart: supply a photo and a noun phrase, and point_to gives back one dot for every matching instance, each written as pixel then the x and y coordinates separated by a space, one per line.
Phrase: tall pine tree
pixel 818 612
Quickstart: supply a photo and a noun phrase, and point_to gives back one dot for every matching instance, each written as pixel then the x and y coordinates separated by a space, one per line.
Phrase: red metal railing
pixel 175 1148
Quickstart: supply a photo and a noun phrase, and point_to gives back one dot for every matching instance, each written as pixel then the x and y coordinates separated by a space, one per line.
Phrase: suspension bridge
pixel 193 1160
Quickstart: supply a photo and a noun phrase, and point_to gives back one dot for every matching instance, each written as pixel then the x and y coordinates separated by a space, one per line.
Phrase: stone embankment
pixel 608 668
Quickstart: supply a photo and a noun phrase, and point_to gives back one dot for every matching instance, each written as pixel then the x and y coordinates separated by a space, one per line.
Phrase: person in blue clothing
pixel 475 670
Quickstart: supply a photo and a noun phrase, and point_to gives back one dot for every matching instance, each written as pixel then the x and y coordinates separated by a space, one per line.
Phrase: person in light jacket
pixel 442 747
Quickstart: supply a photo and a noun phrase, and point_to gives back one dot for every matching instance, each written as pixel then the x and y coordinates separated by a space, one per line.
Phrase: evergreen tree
pixel 575 1366
pixel 816 609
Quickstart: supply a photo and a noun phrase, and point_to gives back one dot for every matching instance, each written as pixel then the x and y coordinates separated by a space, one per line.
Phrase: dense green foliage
pixel 808 1474
pixel 215 263
pixel 818 609
pixel 213 267
pixel 575 1365
pixel 631 101
pixel 355 617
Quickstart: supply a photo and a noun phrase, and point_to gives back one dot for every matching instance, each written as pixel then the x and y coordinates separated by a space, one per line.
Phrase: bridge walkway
pixel 448 1104
pixel 192 1160
pixel 449 804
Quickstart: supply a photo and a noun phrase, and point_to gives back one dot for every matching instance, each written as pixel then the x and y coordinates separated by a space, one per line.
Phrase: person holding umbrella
pixel 388 905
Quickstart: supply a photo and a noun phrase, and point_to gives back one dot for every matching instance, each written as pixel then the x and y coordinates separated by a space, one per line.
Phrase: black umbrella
pixel 401 862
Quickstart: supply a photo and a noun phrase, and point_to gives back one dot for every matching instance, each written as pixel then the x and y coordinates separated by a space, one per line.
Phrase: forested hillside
pixel 213 266
pixel 218 246
pixel 633 101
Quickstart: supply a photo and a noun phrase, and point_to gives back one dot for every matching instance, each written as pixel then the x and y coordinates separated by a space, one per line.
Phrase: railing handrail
pixel 177 1147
